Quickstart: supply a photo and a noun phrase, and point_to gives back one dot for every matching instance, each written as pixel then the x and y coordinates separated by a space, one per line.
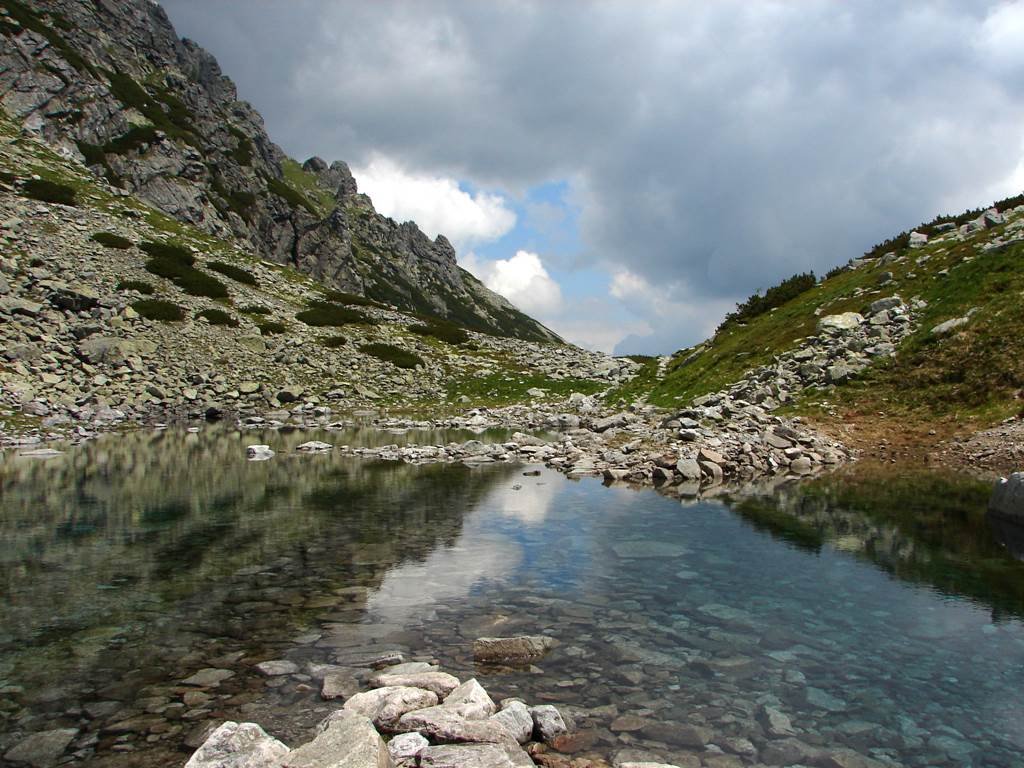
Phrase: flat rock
pixel 846 321
pixel 344 739
pixel 210 677
pixel 314 446
pixel 42 749
pixel 473 756
pixel 446 726
pixel 277 667
pixel 385 706
pixel 440 683
pixel 238 745
pixel 512 649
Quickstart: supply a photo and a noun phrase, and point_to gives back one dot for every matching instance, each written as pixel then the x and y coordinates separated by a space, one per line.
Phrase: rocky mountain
pixel 110 84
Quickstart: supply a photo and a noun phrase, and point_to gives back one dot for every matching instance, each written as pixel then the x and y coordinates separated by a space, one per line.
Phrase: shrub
pixel 175 263
pixel 271 327
pixel 333 342
pixel 49 192
pixel 235 273
pixel 352 299
pixel 158 309
pixel 254 309
pixel 397 356
pixel 289 194
pixel 136 285
pixel 218 317
pixel 774 297
pixel 443 330
pixel 136 136
pixel 110 240
pixel 322 314
pixel 8 178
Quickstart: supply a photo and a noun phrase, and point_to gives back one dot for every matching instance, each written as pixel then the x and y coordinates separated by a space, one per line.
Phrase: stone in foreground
pixel 473 756
pixel 238 745
pixel 447 726
pixel 405 746
pixel 385 706
pixel 517 720
pixel 345 740
pixel 548 723
pixel 512 649
pixel 1007 498
pixel 440 683
pixel 42 749
pixel 471 701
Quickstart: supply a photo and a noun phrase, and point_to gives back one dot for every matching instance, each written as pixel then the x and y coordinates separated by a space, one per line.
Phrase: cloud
pixel 712 147
pixel 435 203
pixel 522 279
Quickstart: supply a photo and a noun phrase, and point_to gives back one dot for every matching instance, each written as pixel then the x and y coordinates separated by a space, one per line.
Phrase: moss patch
pixel 158 309
pixel 49 192
pixel 401 358
pixel 218 317
pixel 110 240
pixel 230 270
pixel 136 285
pixel 323 314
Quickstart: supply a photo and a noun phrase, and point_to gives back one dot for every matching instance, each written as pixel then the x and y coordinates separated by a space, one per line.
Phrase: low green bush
pixel 136 285
pixel 175 263
pixel 137 136
pixel 218 317
pixel 333 342
pixel 271 327
pixel 443 330
pixel 402 358
pixel 168 251
pixel 235 273
pixel 158 309
pixel 110 240
pixel 351 299
pixel 323 314
pixel 49 192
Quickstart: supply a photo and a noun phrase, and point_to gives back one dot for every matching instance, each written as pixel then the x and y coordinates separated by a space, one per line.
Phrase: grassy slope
pixel 975 374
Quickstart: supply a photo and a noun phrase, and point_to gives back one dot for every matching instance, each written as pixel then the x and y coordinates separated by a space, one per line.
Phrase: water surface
pixel 879 612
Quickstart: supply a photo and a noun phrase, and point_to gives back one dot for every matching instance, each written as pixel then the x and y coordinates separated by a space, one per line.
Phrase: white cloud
pixel 522 279
pixel 1000 35
pixel 437 204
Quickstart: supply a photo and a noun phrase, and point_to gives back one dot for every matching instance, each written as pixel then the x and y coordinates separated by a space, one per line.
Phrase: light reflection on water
pixel 878 613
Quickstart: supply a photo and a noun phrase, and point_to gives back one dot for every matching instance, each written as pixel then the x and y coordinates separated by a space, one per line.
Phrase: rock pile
pixel 428 717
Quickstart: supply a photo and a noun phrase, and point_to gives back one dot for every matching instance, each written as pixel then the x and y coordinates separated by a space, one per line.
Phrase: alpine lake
pixel 875 609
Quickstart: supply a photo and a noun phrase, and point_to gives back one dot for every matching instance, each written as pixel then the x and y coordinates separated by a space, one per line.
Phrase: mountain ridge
pixel 110 83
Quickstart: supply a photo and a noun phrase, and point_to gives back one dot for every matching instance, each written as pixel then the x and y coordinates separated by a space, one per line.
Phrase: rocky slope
pixel 110 84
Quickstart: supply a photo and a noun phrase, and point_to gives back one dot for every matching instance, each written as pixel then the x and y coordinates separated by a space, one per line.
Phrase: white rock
pixel 406 746
pixel 258 452
pixel 385 706
pixel 314 446
pixel 847 321
pixel 238 745
pixel 471 701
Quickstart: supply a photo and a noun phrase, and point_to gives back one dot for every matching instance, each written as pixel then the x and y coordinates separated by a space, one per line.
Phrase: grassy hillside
pixel 977 372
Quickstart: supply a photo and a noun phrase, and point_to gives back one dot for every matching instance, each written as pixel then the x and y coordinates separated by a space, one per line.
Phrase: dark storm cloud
pixel 715 146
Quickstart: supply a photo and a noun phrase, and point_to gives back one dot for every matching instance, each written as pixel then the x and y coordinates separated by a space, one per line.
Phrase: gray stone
pixel 466 756
pixel 238 745
pixel 314 446
pixel 610 422
pixel 548 723
pixel 775 722
pixel 385 706
pixel 947 327
pixel 208 678
pixel 440 683
pixel 517 720
pixel 447 726
pixel 471 701
pixel 882 305
pixel 278 667
pixel 345 739
pixel 42 749
pixel 406 746
pixel 689 469
pixel 512 649
pixel 259 452
pixel 338 685
pixel 847 321
pixel 918 240
pixel 1007 499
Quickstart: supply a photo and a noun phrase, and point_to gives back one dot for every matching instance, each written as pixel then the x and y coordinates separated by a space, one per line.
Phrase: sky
pixel 626 171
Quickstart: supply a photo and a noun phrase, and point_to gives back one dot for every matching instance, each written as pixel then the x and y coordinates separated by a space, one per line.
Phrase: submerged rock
pixel 43 749
pixel 512 649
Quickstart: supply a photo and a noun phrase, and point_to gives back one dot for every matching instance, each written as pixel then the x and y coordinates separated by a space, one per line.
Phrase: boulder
pixel 1007 498
pixel 471 701
pixel 610 422
pixel 42 749
pixel 238 745
pixel 74 298
pixel 447 726
pixel 512 649
pixel 314 446
pixel 385 706
pixel 470 756
pixel 918 239
pixel 345 739
pixel 517 720
pixel 689 469
pixel 548 723
pixel 883 305
pixel 259 452
pixel 406 746
pixel 440 683
pixel 842 323
pixel 775 722
pixel 943 329
pixel 111 350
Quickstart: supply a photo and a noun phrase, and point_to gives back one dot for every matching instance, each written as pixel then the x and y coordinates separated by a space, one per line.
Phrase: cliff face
pixel 109 83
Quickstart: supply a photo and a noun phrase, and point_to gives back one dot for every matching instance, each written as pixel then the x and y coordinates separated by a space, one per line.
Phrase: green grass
pixel 510 386
pixel 139 286
pixel 237 274
pixel 49 192
pixel 292 196
pixel 218 317
pixel 323 314
pixel 977 373
pixel 172 251
pixel 158 309
pixel 401 358
pixel 351 299
pixel 308 186
pixel 110 240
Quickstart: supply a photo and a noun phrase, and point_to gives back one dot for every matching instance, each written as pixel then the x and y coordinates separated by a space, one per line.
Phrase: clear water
pixel 879 612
